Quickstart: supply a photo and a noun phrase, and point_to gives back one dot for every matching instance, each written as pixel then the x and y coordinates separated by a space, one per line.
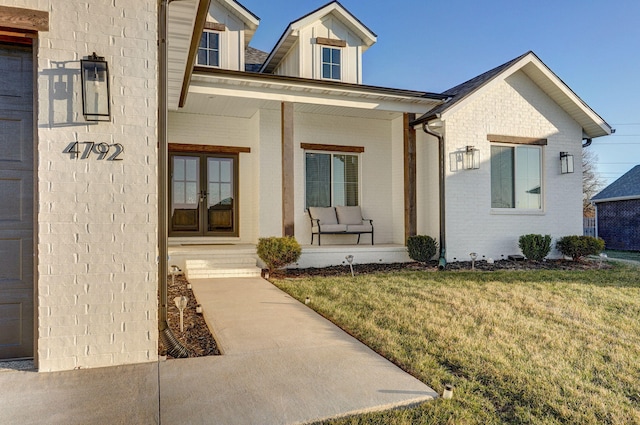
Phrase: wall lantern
pixel 96 104
pixel 566 163
pixel 471 158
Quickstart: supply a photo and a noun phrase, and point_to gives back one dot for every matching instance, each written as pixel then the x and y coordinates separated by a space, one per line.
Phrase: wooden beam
pixel 288 199
pixel 332 148
pixel 24 19
pixel 179 147
pixel 201 16
pixel 410 180
pixel 331 42
pixel 215 26
pixel 516 140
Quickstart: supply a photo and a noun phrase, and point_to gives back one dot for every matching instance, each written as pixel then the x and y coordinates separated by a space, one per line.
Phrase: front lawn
pixel 540 347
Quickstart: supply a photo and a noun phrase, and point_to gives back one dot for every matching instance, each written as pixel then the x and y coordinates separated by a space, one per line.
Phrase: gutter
pixel 173 346
pixel 442 261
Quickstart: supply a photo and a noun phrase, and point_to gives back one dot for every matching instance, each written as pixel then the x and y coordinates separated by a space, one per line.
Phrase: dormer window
pixel 209 49
pixel 331 63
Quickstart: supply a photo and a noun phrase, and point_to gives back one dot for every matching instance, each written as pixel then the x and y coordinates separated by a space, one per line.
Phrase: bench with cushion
pixel 339 221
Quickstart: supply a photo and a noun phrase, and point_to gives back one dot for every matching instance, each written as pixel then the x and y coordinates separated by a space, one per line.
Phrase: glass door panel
pixel 185 194
pixel 220 196
pixel 204 193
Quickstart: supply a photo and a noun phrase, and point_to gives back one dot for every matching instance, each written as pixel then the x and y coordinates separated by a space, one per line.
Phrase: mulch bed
pixel 196 336
pixel 432 266
pixel 200 342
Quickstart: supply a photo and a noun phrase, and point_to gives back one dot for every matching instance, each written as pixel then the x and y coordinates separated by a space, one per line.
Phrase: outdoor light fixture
pixel 447 394
pixel 96 104
pixel 566 163
pixel 349 259
pixel 473 256
pixel 471 158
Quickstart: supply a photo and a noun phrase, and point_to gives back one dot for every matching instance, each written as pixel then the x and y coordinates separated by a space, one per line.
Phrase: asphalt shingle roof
pixel 626 186
pixel 253 59
pixel 461 91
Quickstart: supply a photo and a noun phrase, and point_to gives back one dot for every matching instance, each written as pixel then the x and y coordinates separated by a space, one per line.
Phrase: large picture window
pixel 209 49
pixel 516 177
pixel 331 63
pixel 331 179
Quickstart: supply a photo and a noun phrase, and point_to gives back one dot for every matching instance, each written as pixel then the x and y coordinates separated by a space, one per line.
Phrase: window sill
pixel 515 211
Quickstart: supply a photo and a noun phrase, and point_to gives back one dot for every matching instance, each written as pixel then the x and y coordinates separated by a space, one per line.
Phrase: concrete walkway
pixel 282 364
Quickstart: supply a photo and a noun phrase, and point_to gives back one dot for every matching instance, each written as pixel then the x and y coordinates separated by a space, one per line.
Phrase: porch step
pixel 221 266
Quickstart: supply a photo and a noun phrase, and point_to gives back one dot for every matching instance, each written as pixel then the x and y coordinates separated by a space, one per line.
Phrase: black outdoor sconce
pixel 566 163
pixel 96 95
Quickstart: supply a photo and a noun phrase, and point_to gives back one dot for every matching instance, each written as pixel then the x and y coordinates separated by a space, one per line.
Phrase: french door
pixel 203 198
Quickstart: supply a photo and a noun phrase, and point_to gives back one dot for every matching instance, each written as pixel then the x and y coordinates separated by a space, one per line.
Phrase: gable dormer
pixel 326 44
pixel 228 29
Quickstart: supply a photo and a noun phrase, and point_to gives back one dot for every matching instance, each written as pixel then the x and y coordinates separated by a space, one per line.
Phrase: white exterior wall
pixel 376 171
pixel 231 40
pixel 427 186
pixel 512 107
pixel 97 219
pixel 270 180
pixel 233 132
pixel 305 58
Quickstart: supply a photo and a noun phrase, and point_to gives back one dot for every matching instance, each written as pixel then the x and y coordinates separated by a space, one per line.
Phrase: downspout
pixel 442 261
pixel 173 346
pixel 587 142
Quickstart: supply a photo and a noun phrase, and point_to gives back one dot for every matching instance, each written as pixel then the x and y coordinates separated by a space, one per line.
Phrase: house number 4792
pixel 84 150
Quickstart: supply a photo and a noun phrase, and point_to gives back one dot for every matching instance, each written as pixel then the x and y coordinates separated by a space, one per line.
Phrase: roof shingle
pixel 625 187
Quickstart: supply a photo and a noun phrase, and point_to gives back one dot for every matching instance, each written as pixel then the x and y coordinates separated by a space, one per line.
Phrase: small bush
pixel 278 252
pixel 577 247
pixel 535 247
pixel 421 248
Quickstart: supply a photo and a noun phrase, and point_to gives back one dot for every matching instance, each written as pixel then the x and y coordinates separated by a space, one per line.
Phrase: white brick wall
pixel 513 107
pixel 97 220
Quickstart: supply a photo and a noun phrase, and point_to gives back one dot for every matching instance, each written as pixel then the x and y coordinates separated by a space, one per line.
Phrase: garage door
pixel 16 202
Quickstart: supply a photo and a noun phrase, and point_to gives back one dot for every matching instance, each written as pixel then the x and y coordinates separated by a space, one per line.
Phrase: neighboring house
pixel 618 212
pixel 251 140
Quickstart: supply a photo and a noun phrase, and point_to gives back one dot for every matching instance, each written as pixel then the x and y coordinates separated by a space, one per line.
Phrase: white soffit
pixel 181 17
pixel 305 93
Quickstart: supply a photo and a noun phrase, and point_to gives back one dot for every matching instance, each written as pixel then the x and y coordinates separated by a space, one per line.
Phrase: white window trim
pixel 516 210
pixel 220 34
pixel 322 47
pixel 332 153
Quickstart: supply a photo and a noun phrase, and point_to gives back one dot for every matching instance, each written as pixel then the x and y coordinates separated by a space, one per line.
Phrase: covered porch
pixel 210 260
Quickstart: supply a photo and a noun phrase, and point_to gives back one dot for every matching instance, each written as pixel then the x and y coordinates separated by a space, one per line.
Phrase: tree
pixel 591 181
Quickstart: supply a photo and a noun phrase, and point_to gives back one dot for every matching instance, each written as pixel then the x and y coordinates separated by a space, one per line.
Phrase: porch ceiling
pixel 229 106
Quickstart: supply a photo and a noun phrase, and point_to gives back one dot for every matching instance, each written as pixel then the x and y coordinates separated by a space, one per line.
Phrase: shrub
pixel 577 247
pixel 421 248
pixel 535 247
pixel 278 252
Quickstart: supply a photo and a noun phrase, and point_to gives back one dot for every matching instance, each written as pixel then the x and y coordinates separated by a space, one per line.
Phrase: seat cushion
pixel 355 228
pixel 333 227
pixel 349 215
pixel 326 215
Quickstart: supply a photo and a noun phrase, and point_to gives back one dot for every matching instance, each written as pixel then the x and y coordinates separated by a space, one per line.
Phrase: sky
pixel 427 45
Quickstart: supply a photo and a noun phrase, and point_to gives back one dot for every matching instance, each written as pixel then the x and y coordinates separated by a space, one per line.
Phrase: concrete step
pixel 223 272
pixel 221 266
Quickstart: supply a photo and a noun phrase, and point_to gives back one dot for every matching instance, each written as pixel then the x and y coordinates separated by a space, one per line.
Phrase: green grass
pixel 623 255
pixel 538 347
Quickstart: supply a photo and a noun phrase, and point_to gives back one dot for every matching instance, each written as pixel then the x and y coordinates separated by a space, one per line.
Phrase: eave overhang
pixel 302 90
pixel 593 125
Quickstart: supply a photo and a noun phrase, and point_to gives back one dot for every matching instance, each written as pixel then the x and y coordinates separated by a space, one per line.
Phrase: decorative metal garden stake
pixel 603 257
pixel 349 259
pixel 181 303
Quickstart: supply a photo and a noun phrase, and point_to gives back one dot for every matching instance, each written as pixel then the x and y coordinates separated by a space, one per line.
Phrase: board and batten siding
pixel 305 58
pixel 231 39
